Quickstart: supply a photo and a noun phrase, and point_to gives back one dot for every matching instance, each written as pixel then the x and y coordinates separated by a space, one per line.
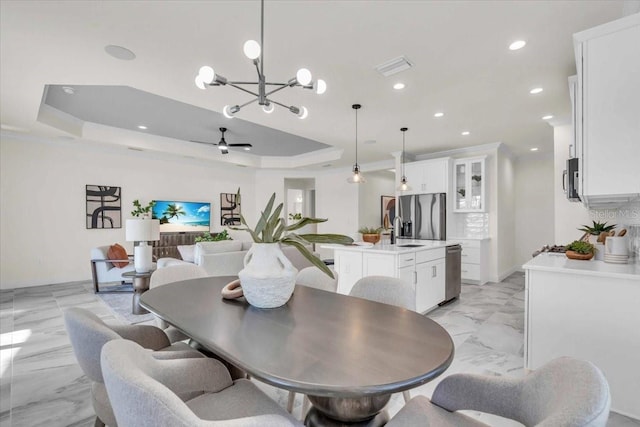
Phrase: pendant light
pixel 403 181
pixel 357 177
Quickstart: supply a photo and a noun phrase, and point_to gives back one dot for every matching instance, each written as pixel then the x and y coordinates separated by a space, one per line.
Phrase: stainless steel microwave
pixel 571 180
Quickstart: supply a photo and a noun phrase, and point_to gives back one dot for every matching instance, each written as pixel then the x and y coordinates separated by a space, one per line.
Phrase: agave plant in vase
pixel 268 277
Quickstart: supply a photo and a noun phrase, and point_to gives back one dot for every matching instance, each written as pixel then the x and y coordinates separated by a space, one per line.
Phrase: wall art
pixel 387 211
pixel 103 206
pixel 229 209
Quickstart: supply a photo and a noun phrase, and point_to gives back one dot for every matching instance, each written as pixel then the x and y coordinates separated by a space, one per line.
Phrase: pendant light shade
pixel 356 177
pixel 404 186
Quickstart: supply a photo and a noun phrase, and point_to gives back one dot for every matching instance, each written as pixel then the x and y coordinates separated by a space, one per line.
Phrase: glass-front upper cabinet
pixel 469 185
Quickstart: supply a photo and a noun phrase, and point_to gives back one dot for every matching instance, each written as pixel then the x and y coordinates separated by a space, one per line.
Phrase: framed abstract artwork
pixel 387 211
pixel 104 204
pixel 229 209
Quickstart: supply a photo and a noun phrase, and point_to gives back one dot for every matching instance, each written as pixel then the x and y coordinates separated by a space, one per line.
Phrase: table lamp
pixel 143 231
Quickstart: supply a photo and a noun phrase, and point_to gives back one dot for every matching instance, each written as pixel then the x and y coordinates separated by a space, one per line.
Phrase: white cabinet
pixel 348 265
pixel 475 261
pixel 469 185
pixel 608 112
pixel 430 284
pixel 427 176
pixel 589 316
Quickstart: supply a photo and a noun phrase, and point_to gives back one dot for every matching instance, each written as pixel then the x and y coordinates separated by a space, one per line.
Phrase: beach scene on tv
pixel 182 216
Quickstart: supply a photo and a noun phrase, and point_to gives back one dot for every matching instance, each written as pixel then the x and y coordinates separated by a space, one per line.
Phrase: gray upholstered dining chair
pixel 312 277
pixel 147 392
pixel 88 333
pixel 387 290
pixel 170 274
pixel 565 392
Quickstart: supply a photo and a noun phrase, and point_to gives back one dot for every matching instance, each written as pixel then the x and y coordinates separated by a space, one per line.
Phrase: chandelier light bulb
pixel 303 76
pixel 200 83
pixel 252 49
pixel 268 108
pixel 207 74
pixel 303 113
pixel 320 86
pixel 226 111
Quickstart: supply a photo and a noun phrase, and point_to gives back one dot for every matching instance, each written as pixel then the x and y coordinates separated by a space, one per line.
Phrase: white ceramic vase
pixel 268 277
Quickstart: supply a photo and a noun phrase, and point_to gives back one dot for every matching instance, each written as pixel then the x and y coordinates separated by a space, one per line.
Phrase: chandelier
pixel 255 51
pixel 403 181
pixel 356 177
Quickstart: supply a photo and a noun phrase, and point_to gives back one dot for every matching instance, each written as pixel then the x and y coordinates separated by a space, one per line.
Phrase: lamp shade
pixel 142 230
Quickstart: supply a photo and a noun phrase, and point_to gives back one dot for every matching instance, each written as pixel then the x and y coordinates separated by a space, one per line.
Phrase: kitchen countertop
pixel 561 264
pixel 469 238
pixel 396 249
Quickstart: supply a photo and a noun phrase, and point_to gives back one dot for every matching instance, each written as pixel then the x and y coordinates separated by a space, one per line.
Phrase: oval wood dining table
pixel 347 354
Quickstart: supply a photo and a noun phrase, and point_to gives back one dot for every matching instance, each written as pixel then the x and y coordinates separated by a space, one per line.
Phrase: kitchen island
pixel 589 310
pixel 419 262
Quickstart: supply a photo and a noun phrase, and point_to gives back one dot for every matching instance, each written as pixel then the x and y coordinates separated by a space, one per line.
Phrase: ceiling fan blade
pixel 240 145
pixel 202 142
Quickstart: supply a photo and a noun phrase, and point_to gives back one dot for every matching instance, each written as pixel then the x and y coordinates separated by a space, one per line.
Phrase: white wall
pixel 369 197
pixel 534 204
pixel 42 215
pixel 506 216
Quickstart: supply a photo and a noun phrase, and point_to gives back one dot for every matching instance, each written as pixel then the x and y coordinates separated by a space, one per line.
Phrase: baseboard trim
pixel 509 272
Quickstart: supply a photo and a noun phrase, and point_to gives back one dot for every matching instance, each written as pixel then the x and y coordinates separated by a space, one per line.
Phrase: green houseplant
pixel 370 234
pixel 597 228
pixel 268 277
pixel 579 249
pixel 142 211
pixel 208 237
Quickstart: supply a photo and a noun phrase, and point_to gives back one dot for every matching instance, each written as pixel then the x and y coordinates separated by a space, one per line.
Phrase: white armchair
pixel 104 271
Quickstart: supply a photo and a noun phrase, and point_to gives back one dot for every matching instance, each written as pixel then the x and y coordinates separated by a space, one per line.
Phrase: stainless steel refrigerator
pixel 424 216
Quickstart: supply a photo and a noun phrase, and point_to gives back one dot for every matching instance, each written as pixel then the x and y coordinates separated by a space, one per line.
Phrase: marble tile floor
pixel 41 383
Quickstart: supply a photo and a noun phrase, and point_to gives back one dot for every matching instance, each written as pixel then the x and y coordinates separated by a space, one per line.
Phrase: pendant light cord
pixel 262 38
pixel 356 136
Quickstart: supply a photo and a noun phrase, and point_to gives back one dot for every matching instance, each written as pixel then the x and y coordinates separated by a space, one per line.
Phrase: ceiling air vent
pixel 394 66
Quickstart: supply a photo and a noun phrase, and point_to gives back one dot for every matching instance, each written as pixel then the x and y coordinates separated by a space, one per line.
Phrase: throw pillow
pixel 187 252
pixel 219 247
pixel 118 252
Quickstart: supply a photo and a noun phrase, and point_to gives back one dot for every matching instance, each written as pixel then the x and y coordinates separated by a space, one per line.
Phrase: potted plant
pixel 597 230
pixel 268 277
pixel 579 249
pixel 370 234
pixel 140 211
pixel 208 237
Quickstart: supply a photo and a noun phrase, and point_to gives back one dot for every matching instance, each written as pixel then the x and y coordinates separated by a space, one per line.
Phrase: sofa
pixel 226 257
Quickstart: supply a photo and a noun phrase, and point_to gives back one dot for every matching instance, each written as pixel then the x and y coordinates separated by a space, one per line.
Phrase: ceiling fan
pixel 223 145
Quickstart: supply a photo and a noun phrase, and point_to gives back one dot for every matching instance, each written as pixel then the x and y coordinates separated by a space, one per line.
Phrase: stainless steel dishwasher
pixel 453 277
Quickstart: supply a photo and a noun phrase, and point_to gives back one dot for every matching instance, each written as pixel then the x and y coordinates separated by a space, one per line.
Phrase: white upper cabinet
pixel 469 185
pixel 427 176
pixel 608 112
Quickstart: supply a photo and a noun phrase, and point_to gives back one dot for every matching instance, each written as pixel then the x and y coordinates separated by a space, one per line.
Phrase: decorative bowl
pixel 371 238
pixel 576 255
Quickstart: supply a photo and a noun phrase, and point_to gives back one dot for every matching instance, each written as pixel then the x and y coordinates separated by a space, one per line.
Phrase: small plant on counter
pixel 208 237
pixel 142 211
pixel 597 228
pixel 581 247
pixel 370 230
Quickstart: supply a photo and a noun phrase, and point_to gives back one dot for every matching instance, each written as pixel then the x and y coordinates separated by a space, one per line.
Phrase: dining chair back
pixel 386 290
pixel 88 334
pixel 565 392
pixel 147 392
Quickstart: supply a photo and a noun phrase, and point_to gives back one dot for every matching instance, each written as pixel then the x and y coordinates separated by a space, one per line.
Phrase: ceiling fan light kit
pixel 356 177
pixel 255 51
pixel 404 186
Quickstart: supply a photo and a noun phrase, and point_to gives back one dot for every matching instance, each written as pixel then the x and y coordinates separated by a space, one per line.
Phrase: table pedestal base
pixel 347 412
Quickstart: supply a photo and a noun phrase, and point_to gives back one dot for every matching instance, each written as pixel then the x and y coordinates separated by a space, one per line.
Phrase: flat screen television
pixel 178 217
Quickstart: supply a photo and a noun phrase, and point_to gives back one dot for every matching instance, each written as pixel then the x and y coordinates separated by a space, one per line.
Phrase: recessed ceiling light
pixel 465 133
pixel 398 86
pixel 247 148
pixel 547 117
pixel 518 44
pixel 68 90
pixel 535 90
pixel 533 149
pixel 120 52
pixel 143 127
pixel 438 114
